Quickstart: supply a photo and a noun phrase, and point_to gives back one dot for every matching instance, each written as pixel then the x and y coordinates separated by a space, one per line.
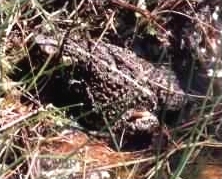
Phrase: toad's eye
pixel 47 44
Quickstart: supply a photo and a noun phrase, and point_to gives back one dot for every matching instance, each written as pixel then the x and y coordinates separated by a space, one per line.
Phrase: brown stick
pixel 146 13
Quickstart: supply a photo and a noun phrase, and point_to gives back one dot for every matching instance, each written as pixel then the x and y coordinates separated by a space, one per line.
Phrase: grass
pixel 35 132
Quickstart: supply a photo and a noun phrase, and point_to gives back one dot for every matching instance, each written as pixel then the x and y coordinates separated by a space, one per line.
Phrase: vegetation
pixel 39 137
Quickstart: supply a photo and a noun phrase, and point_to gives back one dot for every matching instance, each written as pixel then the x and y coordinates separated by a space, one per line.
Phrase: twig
pixel 20 119
pixel 146 13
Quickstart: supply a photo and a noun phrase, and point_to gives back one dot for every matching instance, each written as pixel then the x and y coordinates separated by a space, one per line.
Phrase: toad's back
pixel 116 80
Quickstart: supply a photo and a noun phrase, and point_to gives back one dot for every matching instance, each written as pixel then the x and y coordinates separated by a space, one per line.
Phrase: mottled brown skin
pixel 117 83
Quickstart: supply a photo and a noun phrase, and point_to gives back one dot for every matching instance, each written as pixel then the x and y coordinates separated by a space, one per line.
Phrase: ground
pixel 40 137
